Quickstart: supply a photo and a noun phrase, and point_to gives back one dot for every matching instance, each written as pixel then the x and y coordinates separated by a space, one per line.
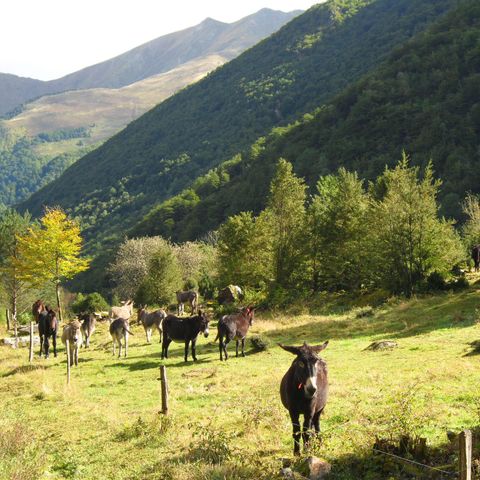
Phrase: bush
pixel 259 343
pixel 92 302
pixel 436 281
pixel 210 445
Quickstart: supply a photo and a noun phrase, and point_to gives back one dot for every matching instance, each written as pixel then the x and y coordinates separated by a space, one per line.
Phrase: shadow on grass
pixel 407 319
pixel 133 367
pixel 25 369
pixel 475 345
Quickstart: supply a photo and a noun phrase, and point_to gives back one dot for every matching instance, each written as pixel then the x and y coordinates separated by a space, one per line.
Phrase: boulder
pixel 314 468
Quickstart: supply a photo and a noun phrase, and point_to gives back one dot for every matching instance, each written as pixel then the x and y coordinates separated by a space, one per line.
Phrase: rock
pixel 287 473
pixel 22 341
pixel 314 468
pixel 382 345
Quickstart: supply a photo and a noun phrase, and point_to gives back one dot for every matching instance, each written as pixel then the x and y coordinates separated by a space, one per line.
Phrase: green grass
pixel 226 419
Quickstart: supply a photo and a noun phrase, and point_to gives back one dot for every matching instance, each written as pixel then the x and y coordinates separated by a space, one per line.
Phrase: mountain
pixel 303 65
pixel 157 56
pixel 42 138
pixel 424 99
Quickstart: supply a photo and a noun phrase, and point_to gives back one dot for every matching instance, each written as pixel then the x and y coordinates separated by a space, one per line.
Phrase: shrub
pixel 92 302
pixel 210 445
pixel 260 343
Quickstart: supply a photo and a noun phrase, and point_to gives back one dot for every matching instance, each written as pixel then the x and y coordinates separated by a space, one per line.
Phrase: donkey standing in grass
pixel 189 296
pixel 47 327
pixel 150 321
pixel 303 391
pixel 185 330
pixel 72 332
pixel 234 326
pixel 118 330
pixel 88 326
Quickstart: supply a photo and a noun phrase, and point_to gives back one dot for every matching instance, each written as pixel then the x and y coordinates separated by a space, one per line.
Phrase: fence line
pixel 418 464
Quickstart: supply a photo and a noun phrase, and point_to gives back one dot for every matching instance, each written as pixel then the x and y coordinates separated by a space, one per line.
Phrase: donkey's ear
pixel 294 350
pixel 319 348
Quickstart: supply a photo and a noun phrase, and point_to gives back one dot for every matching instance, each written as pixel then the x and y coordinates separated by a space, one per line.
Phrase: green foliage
pixel 163 279
pixel 471 227
pixel 336 229
pixel 89 303
pixel 429 115
pixel 285 219
pixel 244 251
pixel 160 154
pixel 407 241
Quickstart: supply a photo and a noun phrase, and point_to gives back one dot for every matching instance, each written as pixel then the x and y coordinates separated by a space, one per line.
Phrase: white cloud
pixel 47 39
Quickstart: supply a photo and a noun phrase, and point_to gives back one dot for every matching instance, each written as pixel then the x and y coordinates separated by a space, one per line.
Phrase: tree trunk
pixel 14 315
pixel 7 315
pixel 57 292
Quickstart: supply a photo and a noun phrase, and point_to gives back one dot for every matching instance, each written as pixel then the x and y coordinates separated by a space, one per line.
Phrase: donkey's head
pixel 305 366
pixel 203 319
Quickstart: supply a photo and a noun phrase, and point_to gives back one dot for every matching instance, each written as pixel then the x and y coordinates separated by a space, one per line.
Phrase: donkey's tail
pixel 128 331
pixel 216 338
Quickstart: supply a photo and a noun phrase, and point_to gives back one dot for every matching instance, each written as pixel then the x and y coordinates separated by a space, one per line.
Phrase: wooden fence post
pixel 164 389
pixel 465 457
pixel 67 346
pixel 30 354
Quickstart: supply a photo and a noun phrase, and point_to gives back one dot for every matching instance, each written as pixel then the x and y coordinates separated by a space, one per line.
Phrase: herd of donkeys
pixel 303 388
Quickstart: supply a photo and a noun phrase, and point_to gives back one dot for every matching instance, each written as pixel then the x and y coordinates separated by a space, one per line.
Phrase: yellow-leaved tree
pixel 50 252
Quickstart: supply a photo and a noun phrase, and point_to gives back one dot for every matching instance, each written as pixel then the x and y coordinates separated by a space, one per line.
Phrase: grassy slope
pixel 89 426
pixel 109 110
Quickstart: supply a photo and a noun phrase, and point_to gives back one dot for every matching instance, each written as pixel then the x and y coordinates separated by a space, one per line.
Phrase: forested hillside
pixel 183 57
pixel 304 65
pixel 425 99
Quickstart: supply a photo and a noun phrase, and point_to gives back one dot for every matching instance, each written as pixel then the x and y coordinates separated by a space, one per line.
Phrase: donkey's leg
pixel 187 342
pixel 225 344
pixel 119 347
pixel 307 430
pixel 46 345
pixel 113 343
pixel 54 342
pixel 220 346
pixel 243 346
pixel 125 336
pixel 296 432
pixel 316 421
pixel 41 345
pixel 194 350
pixel 236 347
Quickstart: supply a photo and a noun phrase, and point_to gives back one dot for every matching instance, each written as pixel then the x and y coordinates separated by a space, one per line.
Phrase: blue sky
pixel 46 39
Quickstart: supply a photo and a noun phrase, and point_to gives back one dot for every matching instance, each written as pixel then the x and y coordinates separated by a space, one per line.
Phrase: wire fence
pixel 418 464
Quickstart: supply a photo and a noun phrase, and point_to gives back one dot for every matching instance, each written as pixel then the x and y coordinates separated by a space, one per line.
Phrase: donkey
pixel 125 311
pixel 48 327
pixel 184 330
pixel 88 326
pixel 118 330
pixel 73 333
pixel 476 257
pixel 150 321
pixel 37 308
pixel 189 296
pixel 304 390
pixel 234 326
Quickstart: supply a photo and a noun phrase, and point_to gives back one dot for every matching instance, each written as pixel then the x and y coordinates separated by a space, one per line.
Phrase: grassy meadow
pixel 226 419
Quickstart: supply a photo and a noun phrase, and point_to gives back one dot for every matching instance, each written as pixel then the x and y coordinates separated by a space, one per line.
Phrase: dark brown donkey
pixel 185 330
pixel 234 326
pixel 304 391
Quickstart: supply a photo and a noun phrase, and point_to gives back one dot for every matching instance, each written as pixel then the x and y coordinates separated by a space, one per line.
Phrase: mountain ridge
pixel 156 56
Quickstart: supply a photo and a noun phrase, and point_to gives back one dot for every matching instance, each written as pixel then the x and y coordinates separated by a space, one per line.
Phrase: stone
pixel 22 341
pixel 382 345
pixel 314 468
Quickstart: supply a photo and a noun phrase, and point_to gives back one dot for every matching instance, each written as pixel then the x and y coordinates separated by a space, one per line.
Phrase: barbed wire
pixel 413 462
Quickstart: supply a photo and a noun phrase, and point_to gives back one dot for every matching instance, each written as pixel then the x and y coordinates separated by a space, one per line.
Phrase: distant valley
pixel 42 137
